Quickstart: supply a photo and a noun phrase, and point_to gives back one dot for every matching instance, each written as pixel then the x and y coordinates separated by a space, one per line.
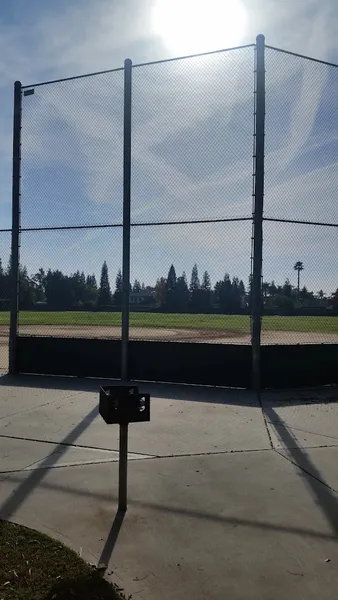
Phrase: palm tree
pixel 298 267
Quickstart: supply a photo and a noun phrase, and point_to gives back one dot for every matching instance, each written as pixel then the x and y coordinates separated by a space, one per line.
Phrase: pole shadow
pixel 111 540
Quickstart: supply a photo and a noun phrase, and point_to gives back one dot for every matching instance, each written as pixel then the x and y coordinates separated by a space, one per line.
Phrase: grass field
pixel 176 321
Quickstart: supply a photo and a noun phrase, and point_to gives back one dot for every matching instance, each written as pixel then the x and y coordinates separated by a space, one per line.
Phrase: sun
pixel 192 26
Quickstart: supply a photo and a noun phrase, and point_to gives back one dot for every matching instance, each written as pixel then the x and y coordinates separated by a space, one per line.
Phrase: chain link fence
pixel 191 188
pixel 192 128
pixel 300 207
pixel 5 285
pixel 71 209
pixel 192 166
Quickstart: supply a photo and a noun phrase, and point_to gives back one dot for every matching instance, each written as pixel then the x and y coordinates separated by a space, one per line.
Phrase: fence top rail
pixel 176 58
pixel 40 83
pixel 166 60
pixel 317 60
pixel 154 62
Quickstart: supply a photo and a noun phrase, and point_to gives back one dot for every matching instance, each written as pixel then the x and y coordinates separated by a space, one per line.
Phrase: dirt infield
pixel 229 336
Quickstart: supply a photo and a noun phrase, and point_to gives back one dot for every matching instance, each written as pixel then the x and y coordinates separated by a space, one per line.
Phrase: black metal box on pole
pixel 123 404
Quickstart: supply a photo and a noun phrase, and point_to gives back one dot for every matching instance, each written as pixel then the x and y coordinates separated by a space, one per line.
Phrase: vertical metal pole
pixel 126 218
pixel 258 211
pixel 123 465
pixel 14 276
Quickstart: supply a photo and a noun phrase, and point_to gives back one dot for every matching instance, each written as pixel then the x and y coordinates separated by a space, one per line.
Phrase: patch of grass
pixel 137 319
pixel 315 324
pixel 35 567
pixel 320 324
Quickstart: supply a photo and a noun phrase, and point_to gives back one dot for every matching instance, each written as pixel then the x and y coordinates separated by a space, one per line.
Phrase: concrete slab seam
pixel 72 464
pixel 305 470
pixel 84 447
pixel 142 457
pixel 20 412
pixel 265 420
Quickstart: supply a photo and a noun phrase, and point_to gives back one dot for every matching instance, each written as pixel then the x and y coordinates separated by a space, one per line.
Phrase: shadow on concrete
pixel 220 519
pixel 323 494
pixel 91 586
pixel 111 540
pixel 179 391
pixel 10 506
pixel 173 391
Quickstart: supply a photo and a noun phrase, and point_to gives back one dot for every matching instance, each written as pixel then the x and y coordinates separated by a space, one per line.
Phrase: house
pixel 142 298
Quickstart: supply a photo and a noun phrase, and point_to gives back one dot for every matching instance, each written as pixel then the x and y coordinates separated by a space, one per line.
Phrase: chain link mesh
pixel 192 134
pixel 72 145
pixel 192 160
pixel 196 283
pixel 192 138
pixel 5 287
pixel 69 288
pixel 301 139
pixel 301 179
pixel 192 126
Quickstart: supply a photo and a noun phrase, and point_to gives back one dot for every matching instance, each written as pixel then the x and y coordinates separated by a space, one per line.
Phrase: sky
pixel 192 135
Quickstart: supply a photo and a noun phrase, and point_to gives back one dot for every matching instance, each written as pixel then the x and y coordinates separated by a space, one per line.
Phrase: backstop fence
pixel 190 201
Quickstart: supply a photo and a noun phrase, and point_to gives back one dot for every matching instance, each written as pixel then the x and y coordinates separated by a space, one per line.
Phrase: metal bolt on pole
pixel 126 217
pixel 15 244
pixel 258 212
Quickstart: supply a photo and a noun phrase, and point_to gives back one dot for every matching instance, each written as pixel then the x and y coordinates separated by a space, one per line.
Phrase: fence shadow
pixel 179 391
pixel 322 493
pixel 24 489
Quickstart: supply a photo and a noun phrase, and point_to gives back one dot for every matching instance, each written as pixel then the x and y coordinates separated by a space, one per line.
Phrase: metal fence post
pixel 14 293
pixel 126 217
pixel 123 466
pixel 258 211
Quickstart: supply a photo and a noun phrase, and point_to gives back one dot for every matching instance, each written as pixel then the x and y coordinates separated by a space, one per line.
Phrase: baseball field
pixel 220 323
pixel 213 329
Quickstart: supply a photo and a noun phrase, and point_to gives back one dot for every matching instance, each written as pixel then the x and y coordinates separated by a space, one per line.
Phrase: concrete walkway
pixel 230 496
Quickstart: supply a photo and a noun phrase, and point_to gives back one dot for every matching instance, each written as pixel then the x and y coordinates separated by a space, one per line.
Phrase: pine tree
pixel 104 298
pixel 118 289
pixel 242 294
pixel 91 282
pixel 136 286
pixel 235 296
pixel 91 291
pixel 160 288
pixel 194 281
pixel 170 290
pixel 205 294
pixel 194 290
pixel 334 301
pixel 206 283
pixel 119 281
pixel 223 294
pixel 182 294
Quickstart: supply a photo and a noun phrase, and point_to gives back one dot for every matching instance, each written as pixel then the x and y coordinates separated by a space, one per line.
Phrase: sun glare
pixel 192 26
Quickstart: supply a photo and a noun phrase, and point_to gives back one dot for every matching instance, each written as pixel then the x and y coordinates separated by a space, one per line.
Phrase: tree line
pixel 58 291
